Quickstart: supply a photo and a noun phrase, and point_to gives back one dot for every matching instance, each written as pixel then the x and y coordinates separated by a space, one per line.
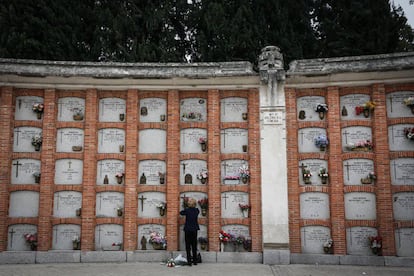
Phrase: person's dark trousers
pixel 191 246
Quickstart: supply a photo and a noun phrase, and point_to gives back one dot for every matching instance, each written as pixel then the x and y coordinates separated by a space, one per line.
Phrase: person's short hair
pixel 192 202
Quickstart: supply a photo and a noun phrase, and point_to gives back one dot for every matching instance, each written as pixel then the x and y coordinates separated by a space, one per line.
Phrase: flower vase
pixel 121 148
pixel 78 212
pixel 322 148
pixel 221 247
pixel 33 246
pixel 327 249
pixel 203 147
pixel 366 112
pixel 203 180
pixel 76 245
pixel 244 116
pixel 203 246
pixel 37 179
pixel 324 180
pixel 321 115
pixel 37 146
pixel 162 180
pixel 307 180
pixel 244 148
pixel 245 213
pixel 157 246
pixel 244 179
pixel 119 212
pixel 411 106
pixel 204 212
pixel 162 118
pixel 119 179
pixel 122 117
pixel 162 212
pixel 39 115
pixel 77 117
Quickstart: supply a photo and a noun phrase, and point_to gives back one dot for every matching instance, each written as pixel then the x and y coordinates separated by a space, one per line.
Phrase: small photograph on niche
pixel 188 179
pixel 144 111
pixel 302 115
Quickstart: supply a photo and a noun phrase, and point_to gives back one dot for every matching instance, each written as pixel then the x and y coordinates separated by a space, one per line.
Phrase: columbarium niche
pixel 153 110
pixel 233 109
pixel 24 110
pixel 25 171
pixel 71 109
pixel 112 110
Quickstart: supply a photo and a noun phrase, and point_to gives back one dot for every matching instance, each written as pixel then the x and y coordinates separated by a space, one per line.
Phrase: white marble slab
pixel 69 139
pixel 306 107
pixel 314 206
pixel 306 138
pixel 24 108
pixel 112 110
pixel 313 238
pixel 148 202
pixel 107 204
pixel 63 235
pixel 234 140
pixel 402 171
pixel 70 106
pixel 22 138
pixel 189 170
pixel 110 140
pixel 23 170
pixel 68 172
pixel 193 110
pixel 152 169
pixel 357 240
pixel 395 104
pixel 106 235
pixel 403 206
pixel 189 140
pixel 108 168
pixel 144 232
pixel 233 109
pixel 230 204
pixel 397 140
pixel 360 206
pixel 355 169
pixel 153 110
pixel 24 204
pixel 65 204
pixel 15 236
pixel 348 104
pixel 404 242
pixel 152 141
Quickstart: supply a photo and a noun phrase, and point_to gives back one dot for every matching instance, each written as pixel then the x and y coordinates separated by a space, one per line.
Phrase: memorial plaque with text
pixel 352 136
pixel 396 107
pixel 357 169
pixel 236 230
pixel 108 203
pixel 313 238
pixel 153 110
pixel 145 230
pixel 314 206
pixel 189 170
pixel 15 236
pixel 69 140
pixel 112 110
pixel 148 203
pixel 24 171
pixel 403 206
pixel 193 109
pixel 234 140
pixel 152 141
pixel 22 138
pixel 24 204
pixel 230 171
pixel 307 137
pixel 108 237
pixel 230 204
pixel 153 170
pixel 306 108
pixel 68 172
pixel 397 139
pixel 71 109
pixel 404 240
pixel 65 204
pixel 402 171
pixel 314 165
pixel 24 108
pixel 63 234
pixel 107 170
pixel 196 195
pixel 360 206
pixel 110 140
pixel 357 240
pixel 348 104
pixel 233 109
pixel 189 140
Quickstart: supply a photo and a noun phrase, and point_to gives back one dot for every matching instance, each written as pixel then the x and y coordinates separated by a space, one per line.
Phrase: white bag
pixel 180 260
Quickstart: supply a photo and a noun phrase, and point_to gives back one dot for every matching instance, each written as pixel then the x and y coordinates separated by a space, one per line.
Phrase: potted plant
pixel 376 244
pixel 31 239
pixel 410 103
pixel 244 173
pixel 203 205
pixel 203 142
pixel 323 174
pixel 328 246
pixel 162 177
pixel 37 141
pixel 245 209
pixel 77 114
pixel 158 241
pixel 321 142
pixel 321 108
pixel 37 177
pixel 203 242
pixel 119 177
pixel 38 108
pixel 119 211
pixel 202 176
pixel 76 242
pixel 78 212
pixel 409 133
pixel 162 206
pixel 366 108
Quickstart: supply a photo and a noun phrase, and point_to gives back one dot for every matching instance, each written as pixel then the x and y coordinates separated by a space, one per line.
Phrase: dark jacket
pixel 191 219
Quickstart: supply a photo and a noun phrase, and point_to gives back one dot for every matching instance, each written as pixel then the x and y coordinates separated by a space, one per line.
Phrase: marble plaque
pixel 189 140
pixel 314 206
pixel 69 107
pixel 189 170
pixel 147 204
pixel 193 109
pixel 68 171
pixel 397 139
pixel 196 195
pixel 24 204
pixel 108 237
pixel 357 240
pixel 112 110
pixel 237 230
pixel 63 235
pixel 395 104
pixel 152 141
pixel 403 206
pixel 110 140
pixel 201 233
pixel 145 230
pixel 360 206
pixel 234 140
pixel 24 108
pixel 107 169
pixel 69 140
pixel 273 117
pixel 15 236
pixel 22 138
pixel 306 108
pixel 107 204
pixel 313 238
pixel 402 171
pixel 404 242
pixel 233 109
pixel 351 136
pixel 230 171
pixel 306 137
pixel 65 204
pixel 355 169
pixel 230 204
pixel 23 170
pixel 348 104
pixel 314 165
pixel 152 169
pixel 153 110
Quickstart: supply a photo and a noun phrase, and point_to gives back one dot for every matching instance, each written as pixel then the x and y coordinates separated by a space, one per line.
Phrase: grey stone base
pixel 276 256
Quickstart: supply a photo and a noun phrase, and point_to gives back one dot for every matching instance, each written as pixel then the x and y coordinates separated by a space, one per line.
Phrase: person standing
pixel 190 229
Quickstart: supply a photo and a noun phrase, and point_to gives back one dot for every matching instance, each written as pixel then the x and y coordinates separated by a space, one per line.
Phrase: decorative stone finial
pixel 271 64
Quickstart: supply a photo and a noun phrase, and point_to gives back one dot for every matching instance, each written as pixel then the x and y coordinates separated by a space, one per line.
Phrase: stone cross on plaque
pixel 225 197
pixel 100 200
pixel 142 198
pixel 17 131
pixel 347 169
pixel 345 133
pixel 17 164
pixel 12 232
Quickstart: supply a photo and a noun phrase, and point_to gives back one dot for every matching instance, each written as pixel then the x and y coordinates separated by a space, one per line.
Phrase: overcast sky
pixel 408 10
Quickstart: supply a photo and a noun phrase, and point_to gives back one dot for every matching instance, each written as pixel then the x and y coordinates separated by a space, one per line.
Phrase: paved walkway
pixel 156 269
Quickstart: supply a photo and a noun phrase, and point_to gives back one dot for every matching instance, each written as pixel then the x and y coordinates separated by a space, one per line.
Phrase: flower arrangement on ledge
pixel 37 141
pixel 231 177
pixel 369 179
pixel 202 176
pixel 203 203
pixel 244 173
pixel 162 206
pixel 321 142
pixel 409 133
pixel 366 108
pixel 38 108
pixel 306 175
pixel 410 103
pixel 244 207
pixel 224 237
pixel 323 174
pixel 158 241
pixel 192 115
pixel 376 244
pixel 203 142
pixel 321 108
pixel 119 176
pixel 76 242
pixel 363 145
pixel 31 239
